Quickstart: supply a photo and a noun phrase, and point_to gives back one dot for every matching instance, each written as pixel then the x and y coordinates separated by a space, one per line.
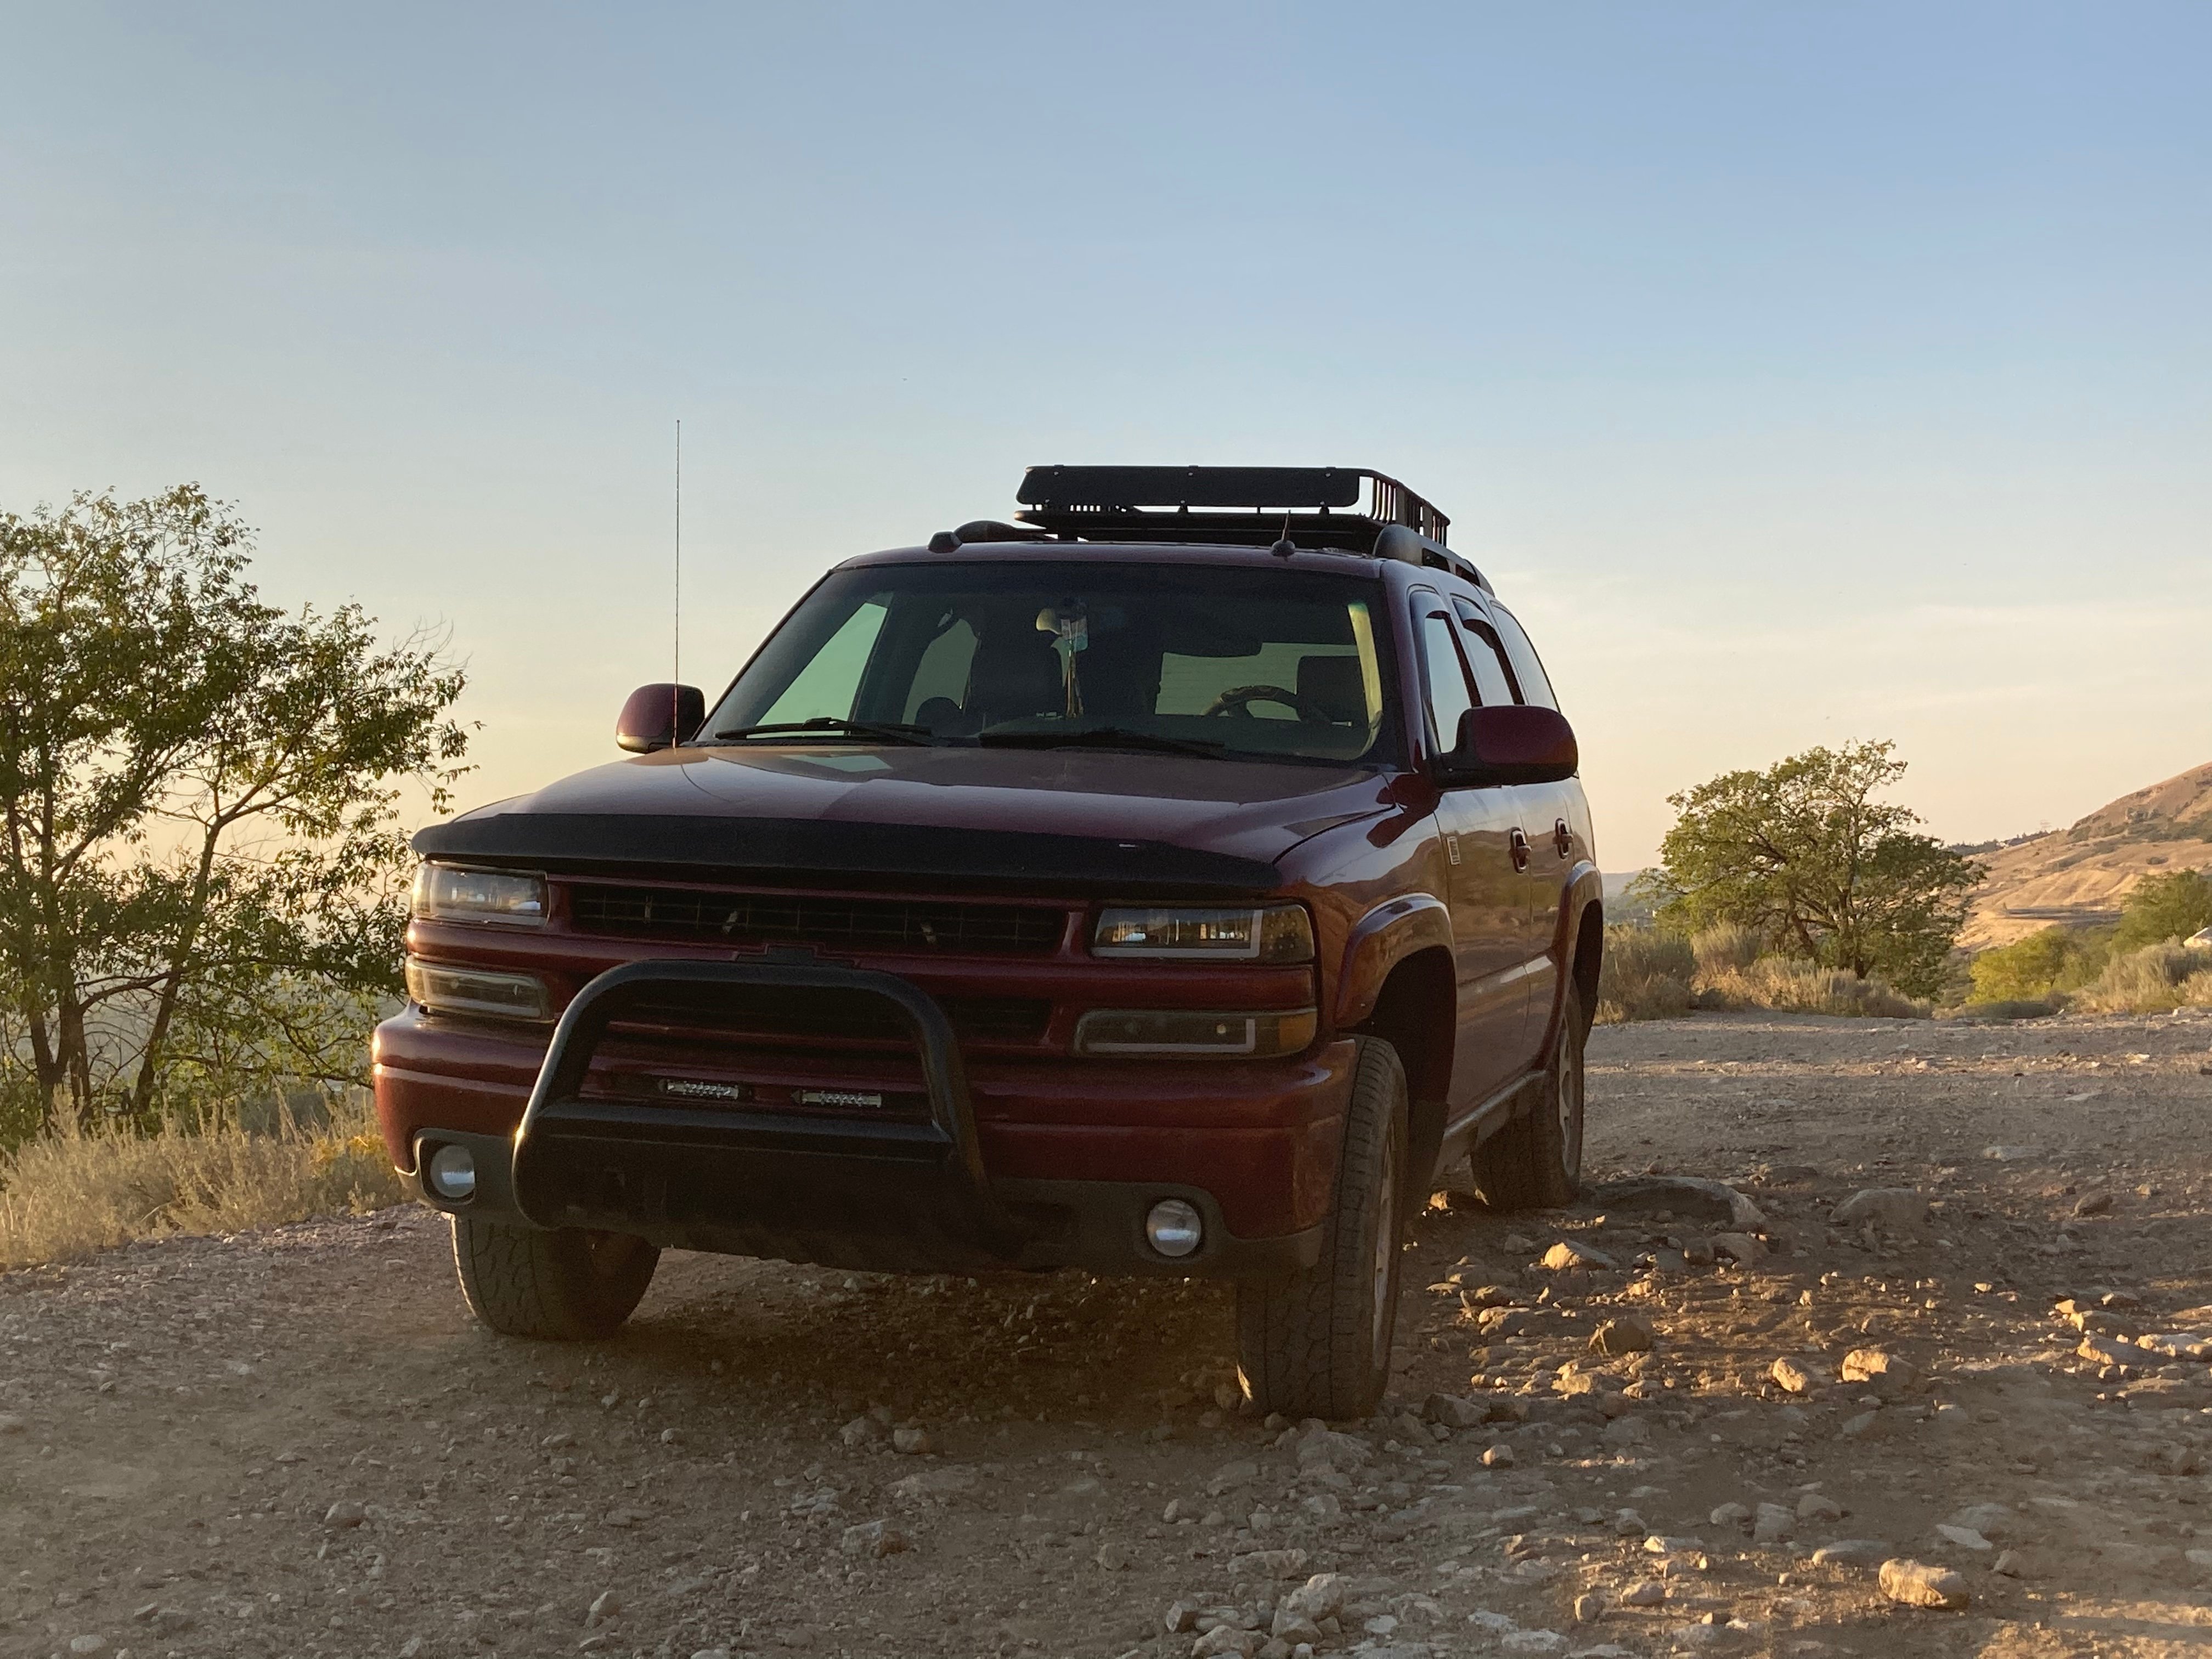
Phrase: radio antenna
pixel 675 620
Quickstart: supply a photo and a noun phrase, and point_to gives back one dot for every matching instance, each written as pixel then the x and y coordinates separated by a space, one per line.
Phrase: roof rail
pixel 1145 503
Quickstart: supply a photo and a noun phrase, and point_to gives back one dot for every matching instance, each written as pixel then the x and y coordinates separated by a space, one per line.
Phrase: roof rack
pixel 1123 503
pixel 1264 505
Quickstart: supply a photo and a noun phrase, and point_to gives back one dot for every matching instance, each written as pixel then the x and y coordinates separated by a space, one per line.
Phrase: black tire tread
pixel 1521 1167
pixel 1303 1341
pixel 523 1281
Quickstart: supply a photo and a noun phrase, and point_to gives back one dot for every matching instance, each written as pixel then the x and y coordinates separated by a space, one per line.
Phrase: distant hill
pixel 2080 875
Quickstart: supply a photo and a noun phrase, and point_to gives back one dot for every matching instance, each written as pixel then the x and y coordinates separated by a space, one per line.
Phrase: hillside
pixel 2082 874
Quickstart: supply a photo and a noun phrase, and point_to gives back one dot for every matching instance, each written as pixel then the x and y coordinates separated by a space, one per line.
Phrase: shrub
pixel 2055 961
pixel 2155 980
pixel 1728 947
pixel 71 1193
pixel 1647 974
pixel 1806 987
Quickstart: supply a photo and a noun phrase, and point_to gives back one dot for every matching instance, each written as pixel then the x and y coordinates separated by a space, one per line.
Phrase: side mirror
pixel 1511 743
pixel 660 716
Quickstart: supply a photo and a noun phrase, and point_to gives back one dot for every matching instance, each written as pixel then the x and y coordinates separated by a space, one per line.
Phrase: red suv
pixel 1183 880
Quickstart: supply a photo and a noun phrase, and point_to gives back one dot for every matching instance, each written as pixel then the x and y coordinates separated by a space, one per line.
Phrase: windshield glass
pixel 1235 661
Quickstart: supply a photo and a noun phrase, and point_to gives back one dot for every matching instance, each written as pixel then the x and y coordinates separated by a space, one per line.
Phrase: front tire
pixel 567 1285
pixel 1535 1163
pixel 1316 1343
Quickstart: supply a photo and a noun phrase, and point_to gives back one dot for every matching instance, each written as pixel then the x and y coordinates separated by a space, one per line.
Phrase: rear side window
pixel 1449 695
pixel 1483 649
pixel 1535 684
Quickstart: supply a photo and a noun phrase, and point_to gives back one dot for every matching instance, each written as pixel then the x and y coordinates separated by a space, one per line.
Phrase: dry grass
pixel 1727 949
pixel 2155 980
pixel 1802 988
pixel 69 1196
pixel 1646 975
pixel 1652 974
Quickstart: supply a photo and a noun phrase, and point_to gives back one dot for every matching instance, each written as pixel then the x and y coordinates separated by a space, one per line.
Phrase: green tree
pixel 2170 905
pixel 201 857
pixel 1804 852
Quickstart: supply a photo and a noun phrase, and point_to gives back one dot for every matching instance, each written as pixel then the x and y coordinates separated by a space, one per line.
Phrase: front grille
pixel 858 925
pixel 791 1013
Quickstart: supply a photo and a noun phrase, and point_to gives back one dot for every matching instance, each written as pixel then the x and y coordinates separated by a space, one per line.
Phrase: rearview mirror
pixel 1511 743
pixel 660 716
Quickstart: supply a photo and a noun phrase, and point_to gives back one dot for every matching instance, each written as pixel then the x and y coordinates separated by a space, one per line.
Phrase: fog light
pixel 452 1173
pixel 1174 1228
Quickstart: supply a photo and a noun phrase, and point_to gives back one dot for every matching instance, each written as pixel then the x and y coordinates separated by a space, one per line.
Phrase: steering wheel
pixel 1238 701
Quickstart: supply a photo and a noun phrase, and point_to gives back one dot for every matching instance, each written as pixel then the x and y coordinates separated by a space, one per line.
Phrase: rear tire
pixel 568 1285
pixel 1316 1343
pixel 1535 1163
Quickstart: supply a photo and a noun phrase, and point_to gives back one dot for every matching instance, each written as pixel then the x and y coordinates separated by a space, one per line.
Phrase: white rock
pixel 1993 1522
pixel 604 1606
pixel 1731 1515
pixel 1819 1506
pixel 1320 1597
pixel 1851 1553
pixel 1892 1209
pixel 1533 1641
pixel 1567 1255
pixel 1772 1524
pixel 1799 1376
pixel 1964 1537
pixel 1916 1584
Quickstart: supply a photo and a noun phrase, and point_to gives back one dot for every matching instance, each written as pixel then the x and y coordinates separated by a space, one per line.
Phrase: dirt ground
pixel 295 1442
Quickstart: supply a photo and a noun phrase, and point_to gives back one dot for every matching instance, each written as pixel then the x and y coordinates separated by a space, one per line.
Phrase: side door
pixel 1553 815
pixel 1489 908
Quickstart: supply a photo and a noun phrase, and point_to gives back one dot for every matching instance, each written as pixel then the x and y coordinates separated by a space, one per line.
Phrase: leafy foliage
pixel 2055 959
pixel 1804 853
pixel 200 854
pixel 2168 906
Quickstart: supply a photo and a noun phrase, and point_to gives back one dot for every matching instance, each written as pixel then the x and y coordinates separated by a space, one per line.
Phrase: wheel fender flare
pixel 1584 888
pixel 1378 942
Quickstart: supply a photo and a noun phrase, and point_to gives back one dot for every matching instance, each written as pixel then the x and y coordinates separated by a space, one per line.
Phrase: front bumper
pixel 1039 1166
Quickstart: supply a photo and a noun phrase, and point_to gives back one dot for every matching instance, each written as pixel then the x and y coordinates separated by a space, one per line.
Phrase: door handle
pixel 1563 839
pixel 1520 842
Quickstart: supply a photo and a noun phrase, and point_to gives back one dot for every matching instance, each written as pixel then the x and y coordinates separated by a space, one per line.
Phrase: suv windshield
pixel 1222 659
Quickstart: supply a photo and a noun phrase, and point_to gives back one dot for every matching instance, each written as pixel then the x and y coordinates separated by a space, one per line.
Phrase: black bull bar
pixel 838 1189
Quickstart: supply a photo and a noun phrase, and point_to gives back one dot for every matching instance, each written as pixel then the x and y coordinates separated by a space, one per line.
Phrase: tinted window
pixel 1481 644
pixel 1535 684
pixel 1257 662
pixel 1448 696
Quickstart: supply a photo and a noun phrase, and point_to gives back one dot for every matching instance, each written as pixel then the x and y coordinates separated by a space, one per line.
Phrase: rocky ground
pixel 295 1442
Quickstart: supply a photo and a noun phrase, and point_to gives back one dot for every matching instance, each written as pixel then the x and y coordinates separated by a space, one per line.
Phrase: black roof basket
pixel 1235 504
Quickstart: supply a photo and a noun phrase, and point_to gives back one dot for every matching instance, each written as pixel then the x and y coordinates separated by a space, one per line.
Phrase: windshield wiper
pixel 831 725
pixel 1101 737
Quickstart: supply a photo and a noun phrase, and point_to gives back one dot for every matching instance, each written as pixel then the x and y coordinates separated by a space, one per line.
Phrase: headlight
pixel 1275 933
pixel 1108 1032
pixel 444 989
pixel 446 893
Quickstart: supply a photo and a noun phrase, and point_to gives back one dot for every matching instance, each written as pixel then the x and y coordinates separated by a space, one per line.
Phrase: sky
pixel 1797 374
